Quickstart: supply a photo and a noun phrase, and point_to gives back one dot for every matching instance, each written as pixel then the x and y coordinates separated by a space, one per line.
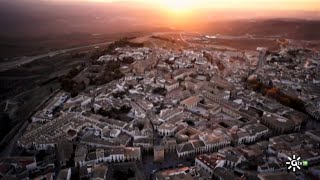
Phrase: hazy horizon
pixel 265 8
pixel 304 5
pixel 41 17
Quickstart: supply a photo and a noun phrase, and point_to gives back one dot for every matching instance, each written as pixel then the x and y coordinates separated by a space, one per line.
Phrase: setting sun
pixel 179 6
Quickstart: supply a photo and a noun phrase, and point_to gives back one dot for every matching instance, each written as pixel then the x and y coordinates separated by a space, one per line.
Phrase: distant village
pixel 194 113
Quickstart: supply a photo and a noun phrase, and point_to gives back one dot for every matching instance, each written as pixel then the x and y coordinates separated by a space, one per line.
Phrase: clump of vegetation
pixel 119 94
pixel 5 124
pixel 190 122
pixel 160 91
pixel 276 94
pixel 123 175
pixel 209 57
pixel 115 113
pixel 97 54
pixel 124 42
pixel 69 85
pixel 111 72
pixel 128 60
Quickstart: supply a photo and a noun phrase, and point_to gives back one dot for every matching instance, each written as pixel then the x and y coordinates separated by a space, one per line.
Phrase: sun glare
pixel 179 6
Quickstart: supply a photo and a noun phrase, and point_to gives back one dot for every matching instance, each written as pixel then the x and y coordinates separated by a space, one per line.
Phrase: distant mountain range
pixel 41 17
pixel 289 28
pixel 28 17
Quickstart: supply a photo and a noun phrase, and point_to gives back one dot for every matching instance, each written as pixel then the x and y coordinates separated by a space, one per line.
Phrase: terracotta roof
pixel 190 101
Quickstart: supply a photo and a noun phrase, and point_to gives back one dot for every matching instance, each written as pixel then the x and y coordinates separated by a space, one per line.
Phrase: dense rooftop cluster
pixel 195 104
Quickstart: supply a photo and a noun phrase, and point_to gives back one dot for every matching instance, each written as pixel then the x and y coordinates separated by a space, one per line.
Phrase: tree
pixel 74 93
pixel 190 122
pixel 272 92
pixel 285 101
pixel 160 91
pixel 128 60
pixel 5 124
pixel 180 81
pixel 67 84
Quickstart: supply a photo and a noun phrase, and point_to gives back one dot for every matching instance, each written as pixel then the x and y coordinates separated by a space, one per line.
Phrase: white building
pixel 185 149
pixel 166 129
pixel 171 85
pixel 208 163
pixel 114 155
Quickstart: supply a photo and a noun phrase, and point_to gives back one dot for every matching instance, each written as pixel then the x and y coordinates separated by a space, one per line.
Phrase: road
pixel 183 39
pixel 13 64
pixel 154 44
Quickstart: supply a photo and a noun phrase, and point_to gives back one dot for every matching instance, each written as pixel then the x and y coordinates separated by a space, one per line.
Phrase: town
pixel 185 111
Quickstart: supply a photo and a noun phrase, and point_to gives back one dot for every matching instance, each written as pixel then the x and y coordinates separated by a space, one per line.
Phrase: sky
pixel 66 16
pixel 186 11
pixel 301 5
